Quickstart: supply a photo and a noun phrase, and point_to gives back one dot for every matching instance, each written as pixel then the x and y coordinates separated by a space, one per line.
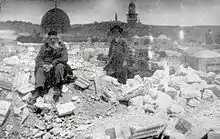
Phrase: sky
pixel 155 12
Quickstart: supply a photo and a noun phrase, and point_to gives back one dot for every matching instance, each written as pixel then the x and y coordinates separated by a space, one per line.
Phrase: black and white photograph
pixel 109 69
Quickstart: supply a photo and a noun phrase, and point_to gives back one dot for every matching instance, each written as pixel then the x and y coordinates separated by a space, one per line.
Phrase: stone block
pixel 65 109
pixel 149 108
pixel 4 111
pixel 136 101
pixel 183 126
pixel 147 131
pixel 26 88
pixel 193 103
pixel 215 89
pixel 82 82
pixel 214 135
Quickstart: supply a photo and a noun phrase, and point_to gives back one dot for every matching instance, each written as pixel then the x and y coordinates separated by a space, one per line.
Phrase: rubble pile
pixel 167 104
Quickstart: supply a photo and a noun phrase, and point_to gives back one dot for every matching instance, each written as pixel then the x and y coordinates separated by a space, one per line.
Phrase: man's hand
pixel 47 67
pixel 124 63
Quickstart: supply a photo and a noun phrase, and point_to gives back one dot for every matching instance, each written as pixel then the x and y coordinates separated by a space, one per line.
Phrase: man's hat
pixel 116 27
pixel 52 32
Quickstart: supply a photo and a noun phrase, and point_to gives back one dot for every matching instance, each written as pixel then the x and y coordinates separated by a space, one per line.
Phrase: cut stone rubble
pixel 65 109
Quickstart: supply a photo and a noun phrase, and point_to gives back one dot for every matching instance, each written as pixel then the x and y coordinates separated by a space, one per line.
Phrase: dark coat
pixel 48 55
pixel 118 53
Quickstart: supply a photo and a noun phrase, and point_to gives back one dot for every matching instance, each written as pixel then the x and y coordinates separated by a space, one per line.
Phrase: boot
pixel 35 95
pixel 57 93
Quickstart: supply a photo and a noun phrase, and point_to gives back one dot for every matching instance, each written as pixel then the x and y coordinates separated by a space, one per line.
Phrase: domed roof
pixel 206 54
pixel 55 17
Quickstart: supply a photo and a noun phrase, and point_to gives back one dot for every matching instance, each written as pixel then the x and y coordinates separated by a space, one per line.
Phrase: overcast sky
pixel 163 12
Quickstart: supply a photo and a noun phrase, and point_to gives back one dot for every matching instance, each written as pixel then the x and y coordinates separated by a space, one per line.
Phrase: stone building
pixel 132 15
pixel 55 19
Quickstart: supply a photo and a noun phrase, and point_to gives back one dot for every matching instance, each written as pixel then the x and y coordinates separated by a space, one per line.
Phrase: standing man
pixel 51 67
pixel 118 56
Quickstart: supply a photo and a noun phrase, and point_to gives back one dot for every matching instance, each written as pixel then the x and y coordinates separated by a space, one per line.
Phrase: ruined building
pixel 132 15
pixel 55 19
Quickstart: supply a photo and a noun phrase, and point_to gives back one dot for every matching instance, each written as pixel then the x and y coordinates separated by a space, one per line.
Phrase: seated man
pixel 51 67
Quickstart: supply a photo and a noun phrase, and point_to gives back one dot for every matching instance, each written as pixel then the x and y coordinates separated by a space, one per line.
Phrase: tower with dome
pixel 132 15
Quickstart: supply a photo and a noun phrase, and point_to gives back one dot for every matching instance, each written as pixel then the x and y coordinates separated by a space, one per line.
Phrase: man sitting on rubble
pixel 51 67
pixel 118 56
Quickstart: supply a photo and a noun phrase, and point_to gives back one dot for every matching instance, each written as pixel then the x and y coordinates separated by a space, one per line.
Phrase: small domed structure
pixel 55 19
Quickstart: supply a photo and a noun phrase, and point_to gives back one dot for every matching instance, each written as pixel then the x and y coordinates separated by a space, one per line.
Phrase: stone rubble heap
pixel 174 97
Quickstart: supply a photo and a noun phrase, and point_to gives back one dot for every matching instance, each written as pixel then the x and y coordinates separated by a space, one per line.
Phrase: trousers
pixel 54 77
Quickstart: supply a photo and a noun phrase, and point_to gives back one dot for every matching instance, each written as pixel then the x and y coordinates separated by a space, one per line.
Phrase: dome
pixel 55 19
pixel 132 5
pixel 206 54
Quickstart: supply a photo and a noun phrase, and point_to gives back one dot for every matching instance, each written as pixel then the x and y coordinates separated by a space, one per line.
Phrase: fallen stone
pixel 174 135
pixel 40 100
pixel 25 114
pixel 26 97
pixel 171 92
pixel 196 133
pixel 58 120
pixel 39 135
pixel 56 131
pixel 213 135
pixel 163 101
pixel 4 111
pixel 147 99
pixel 190 92
pixel 183 126
pixel 209 95
pixel 211 77
pixel 199 86
pixel 176 109
pixel 83 127
pixel 181 101
pixel 147 131
pixel 65 89
pixel 40 125
pixel 136 101
pixel 17 111
pixel 140 90
pixel 193 103
pixel 9 96
pixel 149 108
pixel 6 85
pixel 41 105
pixel 192 78
pixel 65 109
pixel 27 88
pixel 75 98
pixel 215 89
pixel 82 82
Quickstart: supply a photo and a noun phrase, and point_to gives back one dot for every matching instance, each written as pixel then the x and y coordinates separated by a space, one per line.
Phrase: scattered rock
pixel 163 101
pixel 65 109
pixel 181 101
pixel 83 127
pixel 58 120
pixel 42 105
pixel 190 92
pixel 149 108
pixel 4 111
pixel 183 125
pixel 193 103
pixel 175 135
pixel 209 95
pixel 215 89
pixel 136 101
pixel 75 98
pixel 213 135
pixel 26 97
pixel 147 99
pixel 39 135
pixel 171 92
pixel 40 100
pixel 56 131
pixel 192 78
pixel 176 109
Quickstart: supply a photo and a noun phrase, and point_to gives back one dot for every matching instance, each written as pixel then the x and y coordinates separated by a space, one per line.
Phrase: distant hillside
pixel 100 31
